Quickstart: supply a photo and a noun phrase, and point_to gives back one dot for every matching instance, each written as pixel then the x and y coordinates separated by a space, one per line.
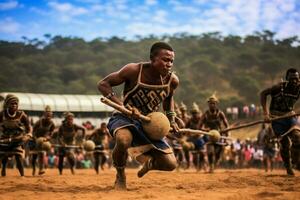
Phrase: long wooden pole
pixel 198 132
pixel 258 122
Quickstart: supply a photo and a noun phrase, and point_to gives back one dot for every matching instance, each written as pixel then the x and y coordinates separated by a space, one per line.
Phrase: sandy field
pixel 85 184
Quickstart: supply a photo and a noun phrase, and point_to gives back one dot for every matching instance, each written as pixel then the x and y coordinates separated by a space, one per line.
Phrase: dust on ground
pixel 85 184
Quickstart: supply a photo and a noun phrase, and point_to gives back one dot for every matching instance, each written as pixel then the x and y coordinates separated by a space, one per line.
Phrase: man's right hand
pixel 135 113
pixel 267 118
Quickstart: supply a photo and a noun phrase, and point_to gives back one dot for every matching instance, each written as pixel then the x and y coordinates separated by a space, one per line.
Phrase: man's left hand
pixel 26 137
pixel 174 127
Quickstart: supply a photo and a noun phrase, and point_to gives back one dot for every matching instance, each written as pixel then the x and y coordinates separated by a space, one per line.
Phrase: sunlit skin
pixel 163 62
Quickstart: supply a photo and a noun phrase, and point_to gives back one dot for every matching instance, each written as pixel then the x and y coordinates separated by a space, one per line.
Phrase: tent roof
pixel 58 102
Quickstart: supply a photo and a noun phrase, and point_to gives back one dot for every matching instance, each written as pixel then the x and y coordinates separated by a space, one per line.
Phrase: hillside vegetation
pixel 237 68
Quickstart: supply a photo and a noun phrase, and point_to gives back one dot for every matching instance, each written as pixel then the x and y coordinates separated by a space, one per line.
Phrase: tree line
pixel 234 67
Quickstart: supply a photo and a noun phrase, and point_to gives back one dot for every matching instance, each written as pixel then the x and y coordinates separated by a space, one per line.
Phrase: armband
pixel 170 114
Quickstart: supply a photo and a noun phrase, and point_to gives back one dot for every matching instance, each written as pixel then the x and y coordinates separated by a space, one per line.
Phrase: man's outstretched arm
pixel 105 86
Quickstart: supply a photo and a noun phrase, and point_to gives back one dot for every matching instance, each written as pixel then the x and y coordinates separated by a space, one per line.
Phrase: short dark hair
pixel 290 71
pixel 157 46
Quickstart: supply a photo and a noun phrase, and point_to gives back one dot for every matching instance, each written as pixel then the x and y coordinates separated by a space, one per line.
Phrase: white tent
pixel 58 102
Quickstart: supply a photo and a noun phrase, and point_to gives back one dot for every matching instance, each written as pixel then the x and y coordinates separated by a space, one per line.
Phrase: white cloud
pixel 9 5
pixel 284 5
pixel 142 28
pixel 239 17
pixel 118 4
pixel 179 7
pixel 63 7
pixel 288 28
pixel 67 9
pixel 188 9
pixel 200 1
pixel 270 16
pixel 121 7
pixel 160 16
pixel 39 11
pixel 150 2
pixel 66 12
pixel 288 6
pixel 9 26
pixel 229 17
pixel 97 7
pixel 98 20
pixel 113 9
pixel 89 1
pixel 247 14
pixel 174 2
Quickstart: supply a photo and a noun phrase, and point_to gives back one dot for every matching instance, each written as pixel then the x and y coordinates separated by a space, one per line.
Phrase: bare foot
pixel 120 183
pixel 146 167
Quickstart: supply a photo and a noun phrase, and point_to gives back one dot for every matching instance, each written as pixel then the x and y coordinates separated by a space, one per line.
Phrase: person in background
pixel 213 119
pixel 66 134
pixel 42 129
pixel 100 137
pixel 14 131
pixel 284 96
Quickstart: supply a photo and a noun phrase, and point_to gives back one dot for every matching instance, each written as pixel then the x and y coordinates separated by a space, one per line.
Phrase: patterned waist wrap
pixel 118 121
pixel 282 126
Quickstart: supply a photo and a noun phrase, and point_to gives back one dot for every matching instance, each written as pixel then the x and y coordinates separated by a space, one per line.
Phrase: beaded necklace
pixel 11 116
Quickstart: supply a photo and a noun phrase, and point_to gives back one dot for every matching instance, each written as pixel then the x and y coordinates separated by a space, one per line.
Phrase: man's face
pixel 13 106
pixel 103 126
pixel 48 116
pixel 195 114
pixel 163 61
pixel 293 78
pixel 294 81
pixel 69 120
pixel 212 105
pixel 182 110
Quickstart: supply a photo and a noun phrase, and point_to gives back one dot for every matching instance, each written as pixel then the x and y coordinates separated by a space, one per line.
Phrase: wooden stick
pixel 198 132
pixel 12 139
pixel 257 122
pixel 122 109
pixel 192 131
pixel 66 146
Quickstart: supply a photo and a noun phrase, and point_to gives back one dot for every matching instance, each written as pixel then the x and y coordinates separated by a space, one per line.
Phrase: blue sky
pixel 90 19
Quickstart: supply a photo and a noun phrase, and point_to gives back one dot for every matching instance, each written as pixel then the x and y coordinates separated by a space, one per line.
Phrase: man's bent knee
pixel 123 138
pixel 171 163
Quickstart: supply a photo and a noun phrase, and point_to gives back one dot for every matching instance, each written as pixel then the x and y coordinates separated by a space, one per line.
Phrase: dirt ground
pixel 85 184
